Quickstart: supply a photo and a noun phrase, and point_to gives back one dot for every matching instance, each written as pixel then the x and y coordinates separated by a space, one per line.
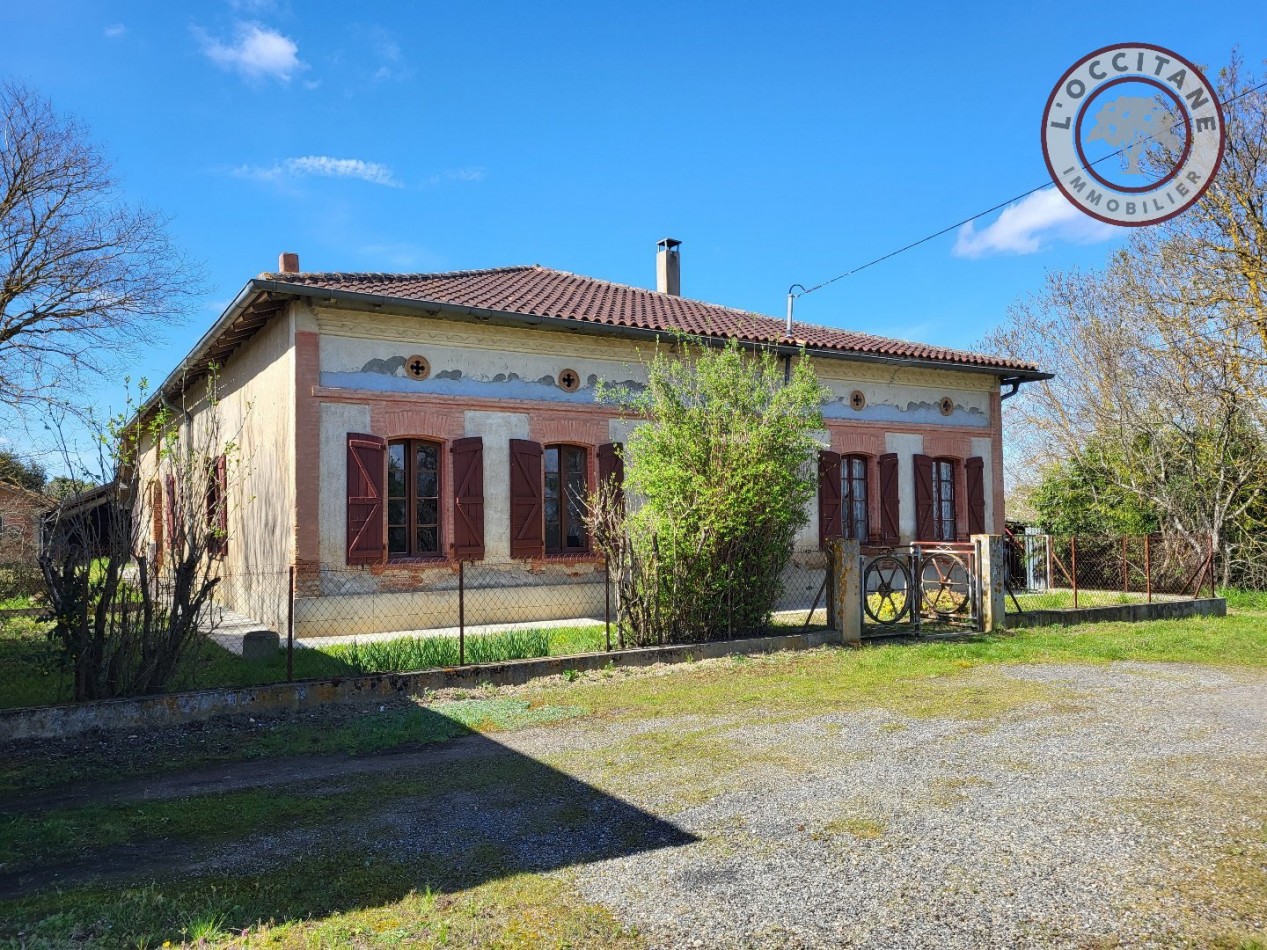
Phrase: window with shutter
pixel 527 538
pixel 935 498
pixel 366 470
pixel 974 472
pixel 468 498
pixel 413 498
pixel 217 509
pixel 890 530
pixel 924 522
pixel 854 496
pixel 175 536
pixel 828 496
pixel 566 488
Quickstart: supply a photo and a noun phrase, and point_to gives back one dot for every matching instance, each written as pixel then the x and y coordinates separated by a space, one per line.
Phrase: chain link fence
pixel 327 622
pixel 1054 572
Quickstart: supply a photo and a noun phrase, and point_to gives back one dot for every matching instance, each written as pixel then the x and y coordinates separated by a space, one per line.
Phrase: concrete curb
pixel 150 712
pixel 1126 613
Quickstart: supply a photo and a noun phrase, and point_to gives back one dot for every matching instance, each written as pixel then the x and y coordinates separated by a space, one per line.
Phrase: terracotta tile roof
pixel 541 291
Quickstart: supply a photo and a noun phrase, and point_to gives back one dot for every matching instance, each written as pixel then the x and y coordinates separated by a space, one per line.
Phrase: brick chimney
pixel 668 267
pixel 288 262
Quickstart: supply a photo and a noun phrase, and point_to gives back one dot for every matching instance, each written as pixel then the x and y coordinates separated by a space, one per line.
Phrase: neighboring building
pixel 21 517
pixel 399 422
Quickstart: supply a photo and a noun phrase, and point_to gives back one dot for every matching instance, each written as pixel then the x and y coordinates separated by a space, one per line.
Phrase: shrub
pixel 721 476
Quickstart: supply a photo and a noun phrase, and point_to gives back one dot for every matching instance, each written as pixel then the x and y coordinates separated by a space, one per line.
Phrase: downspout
pixel 1009 381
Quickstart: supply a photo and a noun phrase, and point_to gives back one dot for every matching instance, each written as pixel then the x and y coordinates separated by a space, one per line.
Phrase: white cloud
pixel 322 166
pixel 115 30
pixel 257 52
pixel 473 173
pixel 1024 227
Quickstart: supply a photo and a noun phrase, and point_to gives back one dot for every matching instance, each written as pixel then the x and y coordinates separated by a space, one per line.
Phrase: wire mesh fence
pixel 1051 572
pixel 327 622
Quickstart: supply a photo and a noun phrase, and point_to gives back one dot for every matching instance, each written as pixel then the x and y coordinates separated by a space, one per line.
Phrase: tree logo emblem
pixel 1133 134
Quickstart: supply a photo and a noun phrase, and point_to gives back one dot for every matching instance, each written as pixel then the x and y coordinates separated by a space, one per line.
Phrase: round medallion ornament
pixel 857 400
pixel 1133 134
pixel 569 380
pixel 417 367
pixel 947 405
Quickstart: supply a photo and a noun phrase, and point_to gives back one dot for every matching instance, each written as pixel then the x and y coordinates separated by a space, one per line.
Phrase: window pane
pixel 428 541
pixel 552 537
pixel 576 520
pixel 396 469
pixel 427 455
pixel 397 539
pixel 428 485
pixel 396 512
pixel 577 487
pixel 552 459
pixel 427 512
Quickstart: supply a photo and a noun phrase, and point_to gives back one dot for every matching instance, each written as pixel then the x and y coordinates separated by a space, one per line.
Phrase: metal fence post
pixel 607 602
pixel 290 625
pixel 1126 575
pixel 1148 568
pixel 1073 567
pixel 461 613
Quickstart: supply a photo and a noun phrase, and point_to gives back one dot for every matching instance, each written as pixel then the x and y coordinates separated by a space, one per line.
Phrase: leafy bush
pixel 722 475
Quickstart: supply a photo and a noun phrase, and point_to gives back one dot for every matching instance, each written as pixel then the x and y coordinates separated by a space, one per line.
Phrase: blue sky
pixel 781 142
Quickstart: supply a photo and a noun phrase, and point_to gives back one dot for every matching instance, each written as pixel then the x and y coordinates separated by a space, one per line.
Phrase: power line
pixel 979 214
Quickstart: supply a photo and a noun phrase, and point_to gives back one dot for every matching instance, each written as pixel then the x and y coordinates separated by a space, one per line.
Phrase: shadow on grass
pixel 303 843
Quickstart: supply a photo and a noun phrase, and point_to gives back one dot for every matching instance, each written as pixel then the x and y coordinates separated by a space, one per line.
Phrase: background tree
pixel 84 277
pixel 1160 395
pixel 21 472
pixel 720 476
pixel 61 487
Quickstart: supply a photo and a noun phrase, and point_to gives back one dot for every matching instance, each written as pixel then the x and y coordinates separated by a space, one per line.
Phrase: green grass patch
pixel 32 675
pixel 338 900
pixel 915 678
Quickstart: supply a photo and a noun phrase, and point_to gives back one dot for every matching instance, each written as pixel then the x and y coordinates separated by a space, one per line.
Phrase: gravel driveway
pixel 1024 806
pixel 1127 809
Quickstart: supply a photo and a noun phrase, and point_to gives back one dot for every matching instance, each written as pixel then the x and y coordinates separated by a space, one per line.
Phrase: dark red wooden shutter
pixel 924 498
pixel 890 530
pixel 468 498
pixel 974 472
pixel 829 520
pixel 171 509
pixel 367 472
pixel 219 520
pixel 611 466
pixel 527 524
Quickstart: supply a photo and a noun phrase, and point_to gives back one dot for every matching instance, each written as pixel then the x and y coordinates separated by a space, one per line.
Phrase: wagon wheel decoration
pixel 885 583
pixel 944 583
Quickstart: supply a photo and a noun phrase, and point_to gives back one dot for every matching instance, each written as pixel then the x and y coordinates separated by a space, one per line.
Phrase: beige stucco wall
pixel 500 383
pixel 254 415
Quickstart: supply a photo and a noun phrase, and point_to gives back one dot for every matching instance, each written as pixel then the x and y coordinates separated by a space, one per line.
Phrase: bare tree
pixel 84 276
pixel 132 609
pixel 1161 356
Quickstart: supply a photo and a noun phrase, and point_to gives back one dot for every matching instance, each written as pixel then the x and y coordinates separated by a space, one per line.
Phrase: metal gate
pixel 922 587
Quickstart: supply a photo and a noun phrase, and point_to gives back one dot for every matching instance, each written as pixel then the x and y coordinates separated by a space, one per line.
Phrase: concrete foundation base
pixel 1122 613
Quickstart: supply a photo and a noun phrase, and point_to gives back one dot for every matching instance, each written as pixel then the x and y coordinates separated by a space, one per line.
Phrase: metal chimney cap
pixel 667 244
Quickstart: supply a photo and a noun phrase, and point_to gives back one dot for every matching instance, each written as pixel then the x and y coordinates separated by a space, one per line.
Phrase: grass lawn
pixel 32 675
pixel 458 883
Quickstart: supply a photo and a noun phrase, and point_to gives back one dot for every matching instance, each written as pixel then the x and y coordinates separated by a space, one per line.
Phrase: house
pixel 21 519
pixel 391 425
